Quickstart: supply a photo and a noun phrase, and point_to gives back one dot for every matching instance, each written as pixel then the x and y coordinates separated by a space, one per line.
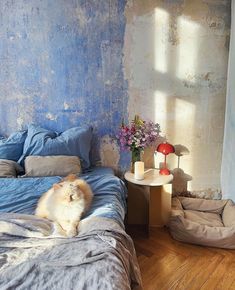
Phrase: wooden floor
pixel 168 264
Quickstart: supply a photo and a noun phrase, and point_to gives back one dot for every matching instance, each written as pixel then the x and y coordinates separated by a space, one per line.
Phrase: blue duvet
pixel 20 195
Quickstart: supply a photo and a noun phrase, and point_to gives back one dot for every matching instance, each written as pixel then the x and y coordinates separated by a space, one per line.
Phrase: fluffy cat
pixel 65 203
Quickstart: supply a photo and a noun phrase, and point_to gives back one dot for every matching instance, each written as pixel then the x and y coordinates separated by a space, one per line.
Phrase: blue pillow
pixel 11 148
pixel 73 142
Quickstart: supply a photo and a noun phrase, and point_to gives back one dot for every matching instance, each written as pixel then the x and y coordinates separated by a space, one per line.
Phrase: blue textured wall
pixel 61 64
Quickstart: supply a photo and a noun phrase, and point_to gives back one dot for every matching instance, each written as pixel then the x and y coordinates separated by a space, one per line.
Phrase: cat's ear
pixel 57 186
pixel 79 183
pixel 70 177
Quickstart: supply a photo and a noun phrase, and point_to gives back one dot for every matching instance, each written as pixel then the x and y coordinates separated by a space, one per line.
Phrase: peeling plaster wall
pixel 71 62
pixel 61 65
pixel 176 55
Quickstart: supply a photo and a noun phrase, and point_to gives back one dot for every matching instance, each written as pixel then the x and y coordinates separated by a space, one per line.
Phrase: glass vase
pixel 135 156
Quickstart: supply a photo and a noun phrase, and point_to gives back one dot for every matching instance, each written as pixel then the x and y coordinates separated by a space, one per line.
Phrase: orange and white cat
pixel 65 203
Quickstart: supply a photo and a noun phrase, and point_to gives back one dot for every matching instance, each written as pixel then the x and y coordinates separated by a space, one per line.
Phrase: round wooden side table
pixel 149 198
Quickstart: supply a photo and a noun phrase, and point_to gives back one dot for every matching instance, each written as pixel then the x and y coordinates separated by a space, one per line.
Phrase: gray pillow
pixel 9 168
pixel 59 165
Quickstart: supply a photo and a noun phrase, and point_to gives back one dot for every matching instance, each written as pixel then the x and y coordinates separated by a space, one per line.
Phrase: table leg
pixel 148 217
pixel 149 206
pixel 160 204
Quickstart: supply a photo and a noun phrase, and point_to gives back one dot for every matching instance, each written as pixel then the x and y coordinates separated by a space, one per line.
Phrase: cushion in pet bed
pixel 204 218
pixel 203 222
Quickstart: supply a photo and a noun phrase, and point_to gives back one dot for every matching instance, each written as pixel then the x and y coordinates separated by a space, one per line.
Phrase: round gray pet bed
pixel 203 222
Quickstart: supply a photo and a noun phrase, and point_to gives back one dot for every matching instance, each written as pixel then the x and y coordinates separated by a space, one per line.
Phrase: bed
pixel 32 256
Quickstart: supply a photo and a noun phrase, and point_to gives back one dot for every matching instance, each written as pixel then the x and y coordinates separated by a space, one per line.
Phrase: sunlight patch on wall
pixel 160 104
pixel 187 49
pixel 161 39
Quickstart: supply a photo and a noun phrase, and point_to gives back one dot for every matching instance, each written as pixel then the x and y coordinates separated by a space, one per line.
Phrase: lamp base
pixel 164 171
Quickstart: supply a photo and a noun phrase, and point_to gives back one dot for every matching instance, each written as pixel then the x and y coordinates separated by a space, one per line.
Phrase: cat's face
pixel 68 191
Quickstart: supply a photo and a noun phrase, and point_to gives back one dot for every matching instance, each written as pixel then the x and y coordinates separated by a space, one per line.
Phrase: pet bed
pixel 203 222
pixel 101 256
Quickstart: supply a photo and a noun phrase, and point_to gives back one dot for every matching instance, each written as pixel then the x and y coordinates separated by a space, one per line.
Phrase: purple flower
pixel 139 134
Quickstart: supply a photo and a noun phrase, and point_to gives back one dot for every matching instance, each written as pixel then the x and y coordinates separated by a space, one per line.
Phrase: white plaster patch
pixel 24 111
pixel 82 18
pixel 19 35
pixel 51 117
pixel 129 4
pixel 108 82
pixel 23 62
pixel 109 152
pixel 66 106
pixel 19 97
pixel 45 80
pixel 20 122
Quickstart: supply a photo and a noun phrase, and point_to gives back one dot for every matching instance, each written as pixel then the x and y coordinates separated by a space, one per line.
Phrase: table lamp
pixel 165 148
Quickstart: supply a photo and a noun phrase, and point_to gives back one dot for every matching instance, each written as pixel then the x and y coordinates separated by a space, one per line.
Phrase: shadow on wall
pixel 181 179
pixel 149 153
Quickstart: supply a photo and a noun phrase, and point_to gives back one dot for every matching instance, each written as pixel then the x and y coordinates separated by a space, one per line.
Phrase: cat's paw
pixel 71 233
pixel 58 230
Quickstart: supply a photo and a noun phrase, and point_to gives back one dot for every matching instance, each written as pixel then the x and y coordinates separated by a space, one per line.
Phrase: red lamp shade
pixel 165 148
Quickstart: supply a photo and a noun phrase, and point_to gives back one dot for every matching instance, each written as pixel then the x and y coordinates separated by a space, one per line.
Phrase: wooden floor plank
pixel 204 272
pixel 167 264
pixel 215 281
pixel 182 277
pixel 227 279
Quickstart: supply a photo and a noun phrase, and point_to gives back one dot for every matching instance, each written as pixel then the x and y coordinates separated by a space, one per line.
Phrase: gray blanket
pixel 34 256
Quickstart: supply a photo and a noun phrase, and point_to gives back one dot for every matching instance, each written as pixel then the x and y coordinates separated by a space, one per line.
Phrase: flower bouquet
pixel 137 136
